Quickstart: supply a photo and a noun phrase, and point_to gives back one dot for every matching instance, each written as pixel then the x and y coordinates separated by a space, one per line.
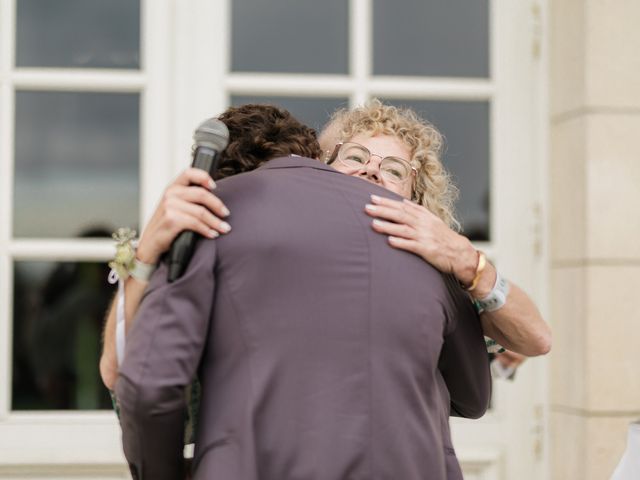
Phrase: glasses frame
pixel 334 156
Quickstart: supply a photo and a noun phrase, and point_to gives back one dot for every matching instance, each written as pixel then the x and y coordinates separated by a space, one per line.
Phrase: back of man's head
pixel 258 133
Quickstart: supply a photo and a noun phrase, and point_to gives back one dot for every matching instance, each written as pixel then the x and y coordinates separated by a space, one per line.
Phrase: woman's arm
pixel 187 204
pixel 517 326
pixel 134 289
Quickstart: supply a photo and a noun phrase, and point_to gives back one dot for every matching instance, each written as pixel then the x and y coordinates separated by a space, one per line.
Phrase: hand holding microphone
pixel 210 138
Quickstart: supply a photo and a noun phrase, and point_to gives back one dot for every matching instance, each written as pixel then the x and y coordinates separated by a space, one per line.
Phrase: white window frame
pixel 64 443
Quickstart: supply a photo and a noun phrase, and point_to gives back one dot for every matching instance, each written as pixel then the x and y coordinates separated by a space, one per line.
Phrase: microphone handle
pixel 204 158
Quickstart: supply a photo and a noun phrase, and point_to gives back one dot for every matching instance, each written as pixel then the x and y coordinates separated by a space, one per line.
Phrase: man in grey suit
pixel 322 352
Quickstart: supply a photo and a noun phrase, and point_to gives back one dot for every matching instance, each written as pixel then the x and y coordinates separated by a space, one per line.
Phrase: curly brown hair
pixel 258 133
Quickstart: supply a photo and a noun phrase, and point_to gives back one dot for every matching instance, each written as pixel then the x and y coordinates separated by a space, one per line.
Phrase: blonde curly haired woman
pixel 394 148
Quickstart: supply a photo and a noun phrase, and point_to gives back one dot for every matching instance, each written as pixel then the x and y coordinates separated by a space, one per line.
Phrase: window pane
pixel 59 309
pixel 78 33
pixel 314 112
pixel 76 163
pixel 465 126
pixel 415 37
pixel 305 36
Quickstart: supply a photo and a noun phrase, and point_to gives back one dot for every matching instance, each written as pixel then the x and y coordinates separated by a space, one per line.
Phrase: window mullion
pixel 6 302
pixel 7 35
pixel 360 45
pixel 156 128
pixel 62 249
pixel 289 84
pixel 432 88
pixel 75 80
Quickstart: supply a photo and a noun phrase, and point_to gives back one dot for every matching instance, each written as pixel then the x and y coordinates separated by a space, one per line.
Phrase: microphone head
pixel 212 133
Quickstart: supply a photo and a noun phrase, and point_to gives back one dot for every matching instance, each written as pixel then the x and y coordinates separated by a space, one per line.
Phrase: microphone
pixel 210 138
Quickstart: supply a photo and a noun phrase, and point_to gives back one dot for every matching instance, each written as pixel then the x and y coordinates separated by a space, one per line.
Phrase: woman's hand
pixel 509 359
pixel 187 204
pixel 413 228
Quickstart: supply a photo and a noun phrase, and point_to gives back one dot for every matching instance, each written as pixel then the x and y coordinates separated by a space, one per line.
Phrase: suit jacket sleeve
pixel 464 362
pixel 163 351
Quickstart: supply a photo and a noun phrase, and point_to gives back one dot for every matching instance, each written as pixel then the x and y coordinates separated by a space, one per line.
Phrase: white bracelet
pixel 497 296
pixel 142 271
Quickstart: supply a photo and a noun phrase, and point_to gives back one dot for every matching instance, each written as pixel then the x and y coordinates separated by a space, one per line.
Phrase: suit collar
pixel 294 161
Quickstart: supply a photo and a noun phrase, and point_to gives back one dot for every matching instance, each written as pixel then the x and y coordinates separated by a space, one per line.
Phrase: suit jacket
pixel 323 353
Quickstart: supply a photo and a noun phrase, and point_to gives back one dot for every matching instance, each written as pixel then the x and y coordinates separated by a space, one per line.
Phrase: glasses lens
pixel 394 169
pixel 353 155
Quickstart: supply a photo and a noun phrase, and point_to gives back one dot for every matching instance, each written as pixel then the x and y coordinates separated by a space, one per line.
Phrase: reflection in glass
pixel 305 36
pixel 465 125
pixel 78 33
pixel 59 309
pixel 314 112
pixel 76 162
pixel 442 39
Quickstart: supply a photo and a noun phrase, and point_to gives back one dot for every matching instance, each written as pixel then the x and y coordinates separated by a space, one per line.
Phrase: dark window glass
pixel 314 112
pixel 304 36
pixel 414 37
pixel 58 314
pixel 78 33
pixel 76 164
pixel 465 125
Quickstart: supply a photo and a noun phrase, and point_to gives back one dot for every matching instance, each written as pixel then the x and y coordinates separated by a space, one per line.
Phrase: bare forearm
pixel 134 289
pixel 108 362
pixel 518 325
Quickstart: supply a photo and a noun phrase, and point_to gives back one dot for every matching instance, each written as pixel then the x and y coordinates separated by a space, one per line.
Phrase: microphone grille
pixel 212 133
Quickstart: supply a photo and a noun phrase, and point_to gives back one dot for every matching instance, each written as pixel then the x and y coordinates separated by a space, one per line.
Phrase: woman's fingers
pixel 393 229
pixel 405 204
pixel 200 196
pixel 404 244
pixel 393 213
pixel 387 202
pixel 202 216
pixel 197 225
pixel 195 176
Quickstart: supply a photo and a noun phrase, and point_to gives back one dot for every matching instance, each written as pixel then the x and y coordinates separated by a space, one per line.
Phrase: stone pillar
pixel 595 233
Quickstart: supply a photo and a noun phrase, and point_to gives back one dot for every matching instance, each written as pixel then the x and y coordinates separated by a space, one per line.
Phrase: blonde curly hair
pixel 433 187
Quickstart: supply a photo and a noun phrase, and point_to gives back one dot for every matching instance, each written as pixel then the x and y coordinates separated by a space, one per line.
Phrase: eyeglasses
pixel 356 156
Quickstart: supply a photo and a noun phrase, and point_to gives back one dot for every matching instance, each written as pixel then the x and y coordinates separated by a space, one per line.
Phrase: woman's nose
pixel 372 169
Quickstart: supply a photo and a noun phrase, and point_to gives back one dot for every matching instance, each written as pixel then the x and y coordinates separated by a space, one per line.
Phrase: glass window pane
pixel 415 37
pixel 305 36
pixel 465 125
pixel 59 309
pixel 78 33
pixel 314 112
pixel 76 164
